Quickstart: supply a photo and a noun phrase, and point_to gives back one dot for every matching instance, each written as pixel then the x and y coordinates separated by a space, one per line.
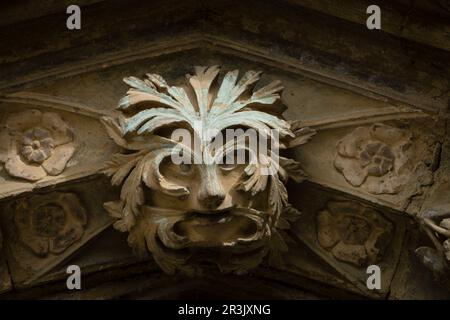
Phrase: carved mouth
pixel 235 239
pixel 222 229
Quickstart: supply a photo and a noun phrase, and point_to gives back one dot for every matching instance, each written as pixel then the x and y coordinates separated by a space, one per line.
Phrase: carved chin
pixel 234 240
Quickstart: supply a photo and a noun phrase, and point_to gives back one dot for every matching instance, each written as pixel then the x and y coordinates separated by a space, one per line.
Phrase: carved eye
pixel 234 159
pixel 227 167
pixel 185 168
pixel 228 162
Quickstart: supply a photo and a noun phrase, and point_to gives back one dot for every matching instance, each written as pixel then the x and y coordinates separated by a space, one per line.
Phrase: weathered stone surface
pixel 346 237
pixel 352 233
pixel 49 145
pixel 381 162
pixel 378 101
pixel 36 144
pixel 203 203
pixel 45 229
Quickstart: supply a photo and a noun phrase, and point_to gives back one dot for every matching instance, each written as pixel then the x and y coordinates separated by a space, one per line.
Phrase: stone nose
pixel 212 201
pixel 211 193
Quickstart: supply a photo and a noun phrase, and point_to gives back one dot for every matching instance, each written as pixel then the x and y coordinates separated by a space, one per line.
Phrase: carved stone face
pixel 215 217
pixel 203 210
pixel 213 204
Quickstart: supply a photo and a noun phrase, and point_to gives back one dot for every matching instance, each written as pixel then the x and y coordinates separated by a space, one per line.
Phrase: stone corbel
pixel 203 212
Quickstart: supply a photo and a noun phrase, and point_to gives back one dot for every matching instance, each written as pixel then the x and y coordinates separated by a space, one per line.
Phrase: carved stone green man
pixel 208 212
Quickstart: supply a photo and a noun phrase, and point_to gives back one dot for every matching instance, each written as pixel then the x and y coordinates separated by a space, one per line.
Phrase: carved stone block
pixel 353 234
pixel 383 159
pixel 391 163
pixel 45 229
pixel 48 140
pixel 348 236
pixel 35 144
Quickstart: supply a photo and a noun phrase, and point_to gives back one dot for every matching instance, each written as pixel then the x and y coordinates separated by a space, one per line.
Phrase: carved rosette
pixel 35 144
pixel 205 212
pixel 353 233
pixel 382 159
pixel 50 223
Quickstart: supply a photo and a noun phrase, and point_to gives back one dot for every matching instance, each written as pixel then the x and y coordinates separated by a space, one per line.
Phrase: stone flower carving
pixel 375 158
pixel 352 233
pixel 35 144
pixel 203 213
pixel 50 223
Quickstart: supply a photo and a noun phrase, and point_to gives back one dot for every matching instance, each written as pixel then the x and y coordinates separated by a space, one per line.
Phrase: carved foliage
pixel 50 223
pixel 35 144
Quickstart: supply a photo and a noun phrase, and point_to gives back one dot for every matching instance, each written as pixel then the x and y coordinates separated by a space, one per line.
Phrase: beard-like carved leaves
pixel 302 134
pixel 256 181
pixel 132 194
pixel 114 130
pixel 115 210
pixel 277 195
pixel 289 168
pixel 120 166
